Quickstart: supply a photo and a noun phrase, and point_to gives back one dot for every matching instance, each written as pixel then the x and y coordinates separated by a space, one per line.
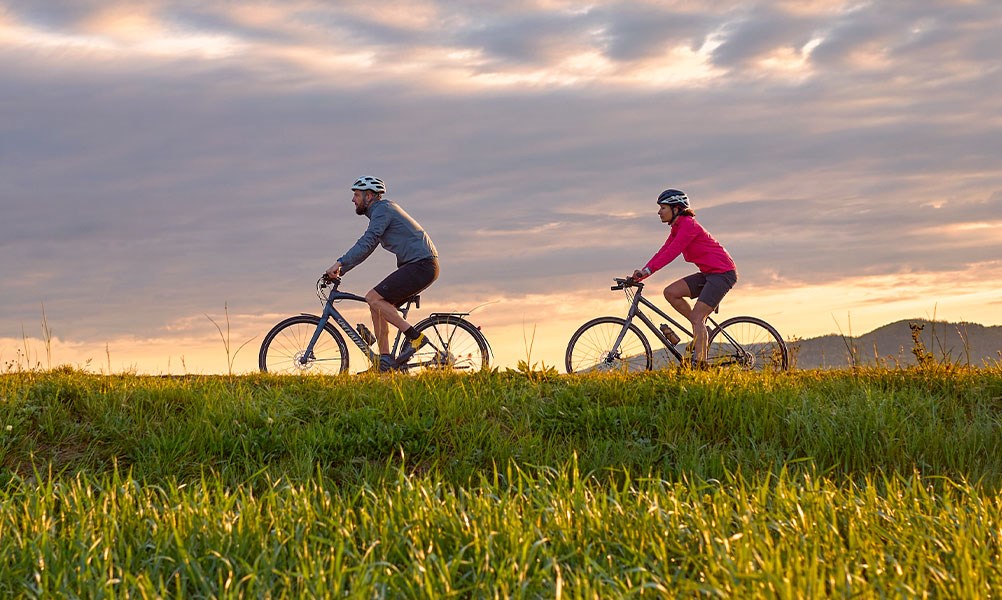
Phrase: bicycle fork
pixel 614 351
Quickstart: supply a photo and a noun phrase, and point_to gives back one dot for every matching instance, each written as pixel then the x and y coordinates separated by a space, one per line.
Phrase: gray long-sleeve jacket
pixel 390 226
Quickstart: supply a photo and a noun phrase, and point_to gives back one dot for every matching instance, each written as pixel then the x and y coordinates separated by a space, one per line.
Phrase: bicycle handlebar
pixel 625 283
pixel 324 282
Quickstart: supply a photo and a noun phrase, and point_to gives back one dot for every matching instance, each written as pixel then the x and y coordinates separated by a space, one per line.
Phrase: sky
pixel 167 167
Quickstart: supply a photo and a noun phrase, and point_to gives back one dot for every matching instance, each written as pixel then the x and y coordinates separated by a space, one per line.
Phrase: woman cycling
pixel 717 272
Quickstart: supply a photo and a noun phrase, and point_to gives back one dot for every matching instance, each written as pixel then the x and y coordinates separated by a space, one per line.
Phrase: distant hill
pixel 891 345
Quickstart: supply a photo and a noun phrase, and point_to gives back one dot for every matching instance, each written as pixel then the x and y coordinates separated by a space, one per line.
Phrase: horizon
pixel 217 356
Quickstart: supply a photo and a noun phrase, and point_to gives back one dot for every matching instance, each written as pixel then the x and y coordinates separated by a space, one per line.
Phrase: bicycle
pixel 308 344
pixel 613 343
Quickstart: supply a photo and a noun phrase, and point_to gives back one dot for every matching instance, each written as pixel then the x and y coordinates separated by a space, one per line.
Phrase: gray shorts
pixel 710 288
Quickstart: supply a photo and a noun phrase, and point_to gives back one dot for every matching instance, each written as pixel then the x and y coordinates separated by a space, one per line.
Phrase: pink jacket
pixel 696 245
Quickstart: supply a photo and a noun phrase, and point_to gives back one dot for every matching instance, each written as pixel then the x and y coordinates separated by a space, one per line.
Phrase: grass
pixel 666 424
pixel 871 482
pixel 545 533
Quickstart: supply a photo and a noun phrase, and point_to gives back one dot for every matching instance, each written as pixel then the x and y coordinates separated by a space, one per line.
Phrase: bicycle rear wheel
pixel 283 349
pixel 591 348
pixel 747 343
pixel 454 344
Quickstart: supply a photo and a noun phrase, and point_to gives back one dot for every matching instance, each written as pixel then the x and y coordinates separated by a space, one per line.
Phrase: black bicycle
pixel 308 344
pixel 615 344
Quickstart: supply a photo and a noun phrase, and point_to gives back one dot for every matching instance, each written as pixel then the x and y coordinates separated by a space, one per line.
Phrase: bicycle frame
pixel 332 313
pixel 635 311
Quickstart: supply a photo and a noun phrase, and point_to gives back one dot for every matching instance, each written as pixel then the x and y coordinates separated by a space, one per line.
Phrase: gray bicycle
pixel 308 344
pixel 617 344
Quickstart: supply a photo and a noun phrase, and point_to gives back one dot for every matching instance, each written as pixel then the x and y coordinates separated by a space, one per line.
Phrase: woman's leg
pixel 676 294
pixel 700 311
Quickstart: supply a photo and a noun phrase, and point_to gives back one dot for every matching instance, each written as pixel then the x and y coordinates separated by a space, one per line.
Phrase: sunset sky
pixel 161 160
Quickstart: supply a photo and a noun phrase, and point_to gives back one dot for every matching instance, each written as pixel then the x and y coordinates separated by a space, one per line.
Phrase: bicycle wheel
pixel 591 348
pixel 747 343
pixel 284 346
pixel 453 344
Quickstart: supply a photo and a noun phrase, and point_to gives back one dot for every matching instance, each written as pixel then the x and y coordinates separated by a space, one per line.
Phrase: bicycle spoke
pixel 747 343
pixel 593 348
pixel 454 343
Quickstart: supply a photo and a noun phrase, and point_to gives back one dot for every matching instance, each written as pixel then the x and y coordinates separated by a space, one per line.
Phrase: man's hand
pixel 334 271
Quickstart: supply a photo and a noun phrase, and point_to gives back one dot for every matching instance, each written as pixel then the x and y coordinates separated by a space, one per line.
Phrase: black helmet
pixel 674 197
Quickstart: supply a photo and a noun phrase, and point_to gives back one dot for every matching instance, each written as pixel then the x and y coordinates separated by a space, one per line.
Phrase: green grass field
pixel 870 483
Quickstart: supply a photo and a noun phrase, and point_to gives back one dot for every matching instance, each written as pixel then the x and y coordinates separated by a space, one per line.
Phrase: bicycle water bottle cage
pixel 365 334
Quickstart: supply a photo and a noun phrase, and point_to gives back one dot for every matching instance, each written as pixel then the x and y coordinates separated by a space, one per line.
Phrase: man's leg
pixel 406 281
pixel 380 329
pixel 383 315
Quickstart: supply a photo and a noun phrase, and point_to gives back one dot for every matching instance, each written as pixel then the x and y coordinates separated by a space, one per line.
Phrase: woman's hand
pixel 641 274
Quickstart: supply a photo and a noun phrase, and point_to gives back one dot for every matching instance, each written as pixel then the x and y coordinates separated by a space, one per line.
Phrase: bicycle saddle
pixel 416 299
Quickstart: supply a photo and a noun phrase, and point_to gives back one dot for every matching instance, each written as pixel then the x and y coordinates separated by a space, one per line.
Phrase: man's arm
pixel 378 222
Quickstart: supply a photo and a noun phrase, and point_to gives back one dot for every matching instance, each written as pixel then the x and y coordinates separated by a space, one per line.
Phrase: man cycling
pixel 417 267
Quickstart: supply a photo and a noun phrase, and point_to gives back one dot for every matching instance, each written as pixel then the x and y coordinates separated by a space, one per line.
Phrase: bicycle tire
pixel 455 344
pixel 748 343
pixel 286 342
pixel 590 348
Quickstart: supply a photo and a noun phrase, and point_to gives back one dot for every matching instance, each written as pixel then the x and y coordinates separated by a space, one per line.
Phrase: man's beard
pixel 360 210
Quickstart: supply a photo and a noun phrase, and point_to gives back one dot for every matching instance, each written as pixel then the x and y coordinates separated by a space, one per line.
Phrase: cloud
pixel 642 32
pixel 749 37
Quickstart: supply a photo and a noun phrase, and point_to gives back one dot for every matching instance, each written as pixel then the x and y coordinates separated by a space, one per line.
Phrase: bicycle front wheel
pixel 284 348
pixel 454 344
pixel 593 347
pixel 747 343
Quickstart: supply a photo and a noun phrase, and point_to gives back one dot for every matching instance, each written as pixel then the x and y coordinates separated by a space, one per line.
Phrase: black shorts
pixel 408 280
pixel 710 288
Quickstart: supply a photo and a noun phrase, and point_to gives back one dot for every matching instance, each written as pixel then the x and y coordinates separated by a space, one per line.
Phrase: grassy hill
pixel 665 423
pixel 868 483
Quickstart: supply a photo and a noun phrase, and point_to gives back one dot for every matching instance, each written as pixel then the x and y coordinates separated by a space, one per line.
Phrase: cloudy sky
pixel 167 162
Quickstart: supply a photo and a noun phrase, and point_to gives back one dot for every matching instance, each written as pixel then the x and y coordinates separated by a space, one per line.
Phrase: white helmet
pixel 373 184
